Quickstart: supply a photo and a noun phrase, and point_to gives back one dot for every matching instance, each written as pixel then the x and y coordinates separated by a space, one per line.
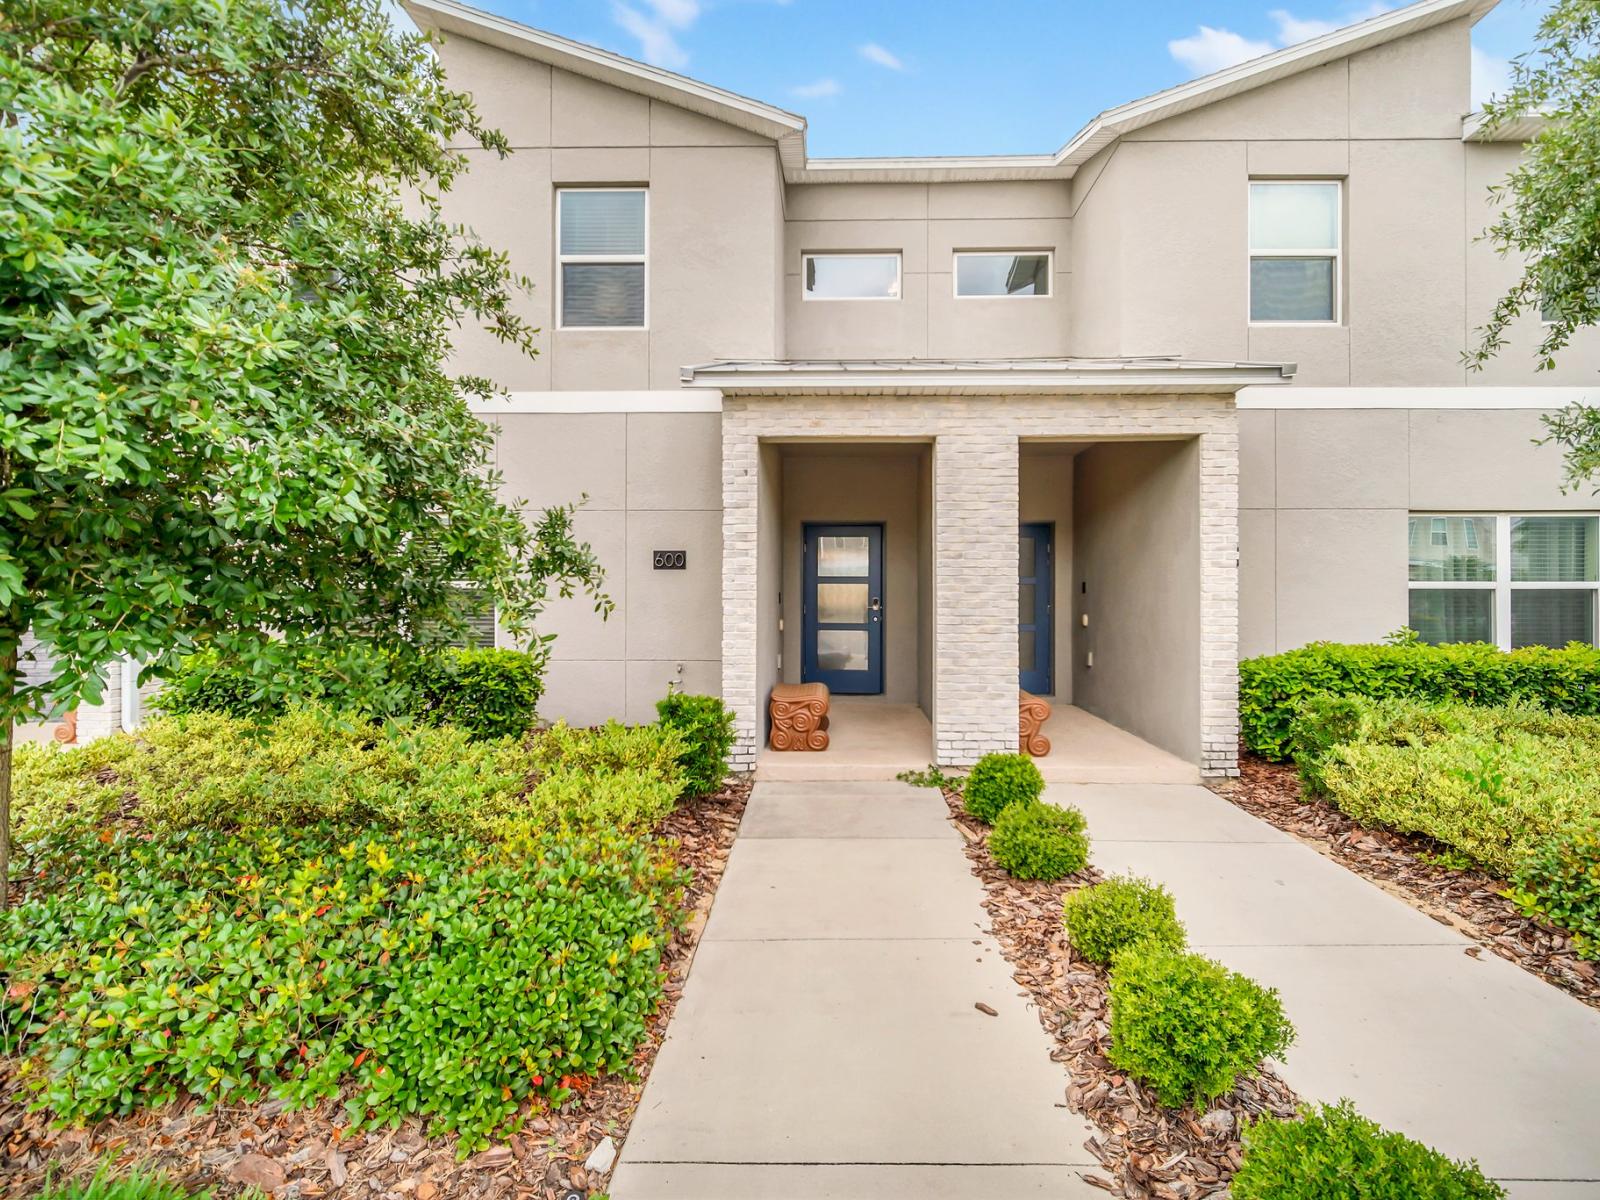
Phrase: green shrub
pixel 612 747
pixel 131 1185
pixel 1188 1026
pixel 1040 841
pixel 706 726
pixel 1271 688
pixel 1334 1153
pixel 1122 911
pixel 489 693
pixel 999 780
pixel 424 975
pixel 1560 881
pixel 628 799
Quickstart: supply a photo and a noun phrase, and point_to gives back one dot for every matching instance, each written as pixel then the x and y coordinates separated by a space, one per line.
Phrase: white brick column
pixel 741 463
pixel 1219 601
pixel 975 588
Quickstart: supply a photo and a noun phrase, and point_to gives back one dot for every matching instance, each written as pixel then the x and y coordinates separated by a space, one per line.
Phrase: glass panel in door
pixel 1035 564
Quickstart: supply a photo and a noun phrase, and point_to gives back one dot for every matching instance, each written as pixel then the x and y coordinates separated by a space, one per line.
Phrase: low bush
pixel 1560 882
pixel 108 1184
pixel 490 693
pixel 1040 841
pixel 705 725
pixel 1189 1027
pixel 1334 1153
pixel 1271 688
pixel 999 780
pixel 629 799
pixel 1120 912
pixel 423 975
pixel 612 747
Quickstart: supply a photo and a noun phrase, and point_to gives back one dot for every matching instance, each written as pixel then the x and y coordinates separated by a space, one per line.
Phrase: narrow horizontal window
pixel 1294 251
pixel 601 274
pixel 852 276
pixel 1002 274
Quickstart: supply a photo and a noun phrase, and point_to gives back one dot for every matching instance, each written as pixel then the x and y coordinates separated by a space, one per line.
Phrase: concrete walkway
pixel 1472 1055
pixel 827 1045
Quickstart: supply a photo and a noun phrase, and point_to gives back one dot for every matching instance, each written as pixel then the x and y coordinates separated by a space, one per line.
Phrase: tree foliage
pixel 226 294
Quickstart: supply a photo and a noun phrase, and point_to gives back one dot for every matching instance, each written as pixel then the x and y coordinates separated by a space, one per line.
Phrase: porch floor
pixel 869 739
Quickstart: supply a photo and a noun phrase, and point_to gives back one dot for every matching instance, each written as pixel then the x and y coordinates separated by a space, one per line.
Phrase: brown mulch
pixel 304 1154
pixel 1469 901
pixel 1147 1151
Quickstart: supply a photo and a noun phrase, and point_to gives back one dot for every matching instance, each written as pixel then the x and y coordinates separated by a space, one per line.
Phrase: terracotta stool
pixel 1032 713
pixel 799 714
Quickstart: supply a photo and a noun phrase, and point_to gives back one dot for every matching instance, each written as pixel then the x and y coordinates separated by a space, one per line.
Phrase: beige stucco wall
pixel 1046 495
pixel 653 483
pixel 1136 571
pixel 848 485
pixel 1325 494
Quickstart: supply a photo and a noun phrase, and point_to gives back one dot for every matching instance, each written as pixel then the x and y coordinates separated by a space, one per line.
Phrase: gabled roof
pixel 979 376
pixel 788 130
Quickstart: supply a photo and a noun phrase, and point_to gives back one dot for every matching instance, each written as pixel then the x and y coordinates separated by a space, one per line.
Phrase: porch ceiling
pixel 980 376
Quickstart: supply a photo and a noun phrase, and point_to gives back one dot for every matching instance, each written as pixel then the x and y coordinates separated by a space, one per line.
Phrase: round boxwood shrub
pixel 999 780
pixel 1334 1153
pixel 1040 841
pixel 1121 912
pixel 1189 1027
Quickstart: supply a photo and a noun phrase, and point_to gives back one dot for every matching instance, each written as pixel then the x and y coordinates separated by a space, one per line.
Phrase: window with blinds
pixel 601 270
pixel 1505 579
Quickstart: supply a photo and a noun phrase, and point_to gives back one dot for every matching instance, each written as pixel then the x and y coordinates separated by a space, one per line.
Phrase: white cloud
pixel 875 53
pixel 1209 49
pixel 818 89
pixel 1491 76
pixel 657 29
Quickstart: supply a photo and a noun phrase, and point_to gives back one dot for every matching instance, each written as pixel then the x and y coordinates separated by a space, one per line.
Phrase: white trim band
pixel 1544 399
pixel 662 401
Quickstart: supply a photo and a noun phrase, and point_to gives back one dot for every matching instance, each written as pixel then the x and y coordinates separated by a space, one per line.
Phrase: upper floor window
pixel 600 253
pixel 1509 580
pixel 851 276
pixel 1294 250
pixel 1002 273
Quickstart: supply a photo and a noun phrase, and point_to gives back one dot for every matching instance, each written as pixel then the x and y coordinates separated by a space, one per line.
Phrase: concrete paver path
pixel 827 1045
pixel 1469 1054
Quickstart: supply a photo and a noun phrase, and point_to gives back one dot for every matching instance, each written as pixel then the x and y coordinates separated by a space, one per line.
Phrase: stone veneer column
pixel 741 464
pixel 1219 601
pixel 975 510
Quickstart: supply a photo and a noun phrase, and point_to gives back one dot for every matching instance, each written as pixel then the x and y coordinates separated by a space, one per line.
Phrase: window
pixel 600 271
pixel 851 276
pixel 1294 251
pixel 1002 273
pixel 1509 580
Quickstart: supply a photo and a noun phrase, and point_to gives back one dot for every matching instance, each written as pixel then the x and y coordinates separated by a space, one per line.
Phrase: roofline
pixel 1476 127
pixel 788 129
pixel 985 377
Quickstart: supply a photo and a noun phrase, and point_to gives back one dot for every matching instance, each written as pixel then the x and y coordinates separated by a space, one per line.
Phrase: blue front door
pixel 842 632
pixel 1035 604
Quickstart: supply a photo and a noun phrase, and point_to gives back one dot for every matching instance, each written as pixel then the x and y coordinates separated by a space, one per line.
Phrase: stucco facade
pixel 1212 485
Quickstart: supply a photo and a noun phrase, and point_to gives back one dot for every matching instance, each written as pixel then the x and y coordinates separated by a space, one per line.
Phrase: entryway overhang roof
pixel 981 376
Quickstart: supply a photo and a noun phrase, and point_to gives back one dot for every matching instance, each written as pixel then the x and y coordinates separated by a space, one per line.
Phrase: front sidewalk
pixel 1463 1051
pixel 829 1043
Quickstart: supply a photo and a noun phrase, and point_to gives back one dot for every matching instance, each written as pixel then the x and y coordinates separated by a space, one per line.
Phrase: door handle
pixel 877 605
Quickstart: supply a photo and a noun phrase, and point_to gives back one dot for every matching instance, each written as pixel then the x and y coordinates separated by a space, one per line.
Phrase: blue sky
pixel 879 77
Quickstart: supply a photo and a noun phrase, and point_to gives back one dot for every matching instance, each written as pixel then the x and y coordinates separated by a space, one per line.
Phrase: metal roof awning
pixel 981 376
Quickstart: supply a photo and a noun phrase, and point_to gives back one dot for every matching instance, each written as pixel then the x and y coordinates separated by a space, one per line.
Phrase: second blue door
pixel 842 633
pixel 1035 603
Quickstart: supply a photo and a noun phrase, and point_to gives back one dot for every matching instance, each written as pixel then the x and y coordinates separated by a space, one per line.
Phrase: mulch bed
pixel 302 1154
pixel 1468 901
pixel 1147 1151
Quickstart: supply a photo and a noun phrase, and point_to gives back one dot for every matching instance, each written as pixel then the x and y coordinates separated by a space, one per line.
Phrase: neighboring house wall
pixel 1136 569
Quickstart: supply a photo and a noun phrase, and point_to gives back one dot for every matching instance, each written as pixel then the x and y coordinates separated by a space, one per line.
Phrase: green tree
pixel 226 292
pixel 1550 209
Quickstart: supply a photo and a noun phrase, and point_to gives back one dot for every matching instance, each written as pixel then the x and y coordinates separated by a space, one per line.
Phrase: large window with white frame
pixel 601 269
pixel 1295 251
pixel 1508 579
pixel 1002 273
pixel 852 276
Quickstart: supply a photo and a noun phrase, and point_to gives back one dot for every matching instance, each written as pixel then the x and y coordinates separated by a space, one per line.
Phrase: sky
pixel 917 77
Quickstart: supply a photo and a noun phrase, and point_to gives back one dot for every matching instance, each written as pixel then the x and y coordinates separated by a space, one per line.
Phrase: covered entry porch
pixel 929 538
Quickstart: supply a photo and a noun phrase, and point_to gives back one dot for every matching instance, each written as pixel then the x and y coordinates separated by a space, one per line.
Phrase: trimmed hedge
pixel 1040 841
pixel 1334 1153
pixel 999 780
pixel 1271 688
pixel 1120 912
pixel 1189 1027
pixel 705 725
pixel 1560 881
